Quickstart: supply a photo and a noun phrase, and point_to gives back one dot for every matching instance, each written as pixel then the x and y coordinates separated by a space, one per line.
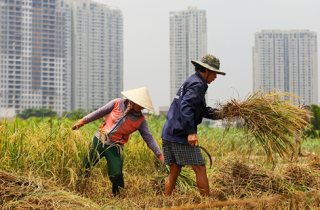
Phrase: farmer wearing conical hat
pixel 124 117
pixel 179 134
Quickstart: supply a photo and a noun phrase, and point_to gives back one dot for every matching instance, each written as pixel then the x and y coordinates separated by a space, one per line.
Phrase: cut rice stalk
pixel 272 118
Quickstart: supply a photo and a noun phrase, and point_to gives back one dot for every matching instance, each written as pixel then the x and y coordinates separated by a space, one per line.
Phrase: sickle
pixel 207 154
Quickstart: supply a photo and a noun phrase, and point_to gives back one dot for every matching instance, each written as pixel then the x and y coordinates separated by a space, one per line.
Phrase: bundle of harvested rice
pixel 271 118
pixel 23 193
pixel 236 179
pixel 302 175
pixel 13 188
pixel 314 163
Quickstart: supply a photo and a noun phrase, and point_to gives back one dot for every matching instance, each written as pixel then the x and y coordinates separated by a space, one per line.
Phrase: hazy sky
pixel 231 25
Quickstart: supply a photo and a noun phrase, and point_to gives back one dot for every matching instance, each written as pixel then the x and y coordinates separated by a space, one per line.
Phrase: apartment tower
pixel 286 60
pixel 97 54
pixel 188 41
pixel 64 54
pixel 32 41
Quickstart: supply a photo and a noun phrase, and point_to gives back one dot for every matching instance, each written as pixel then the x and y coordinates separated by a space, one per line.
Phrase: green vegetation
pixel 41 112
pixel 45 112
pixel 75 114
pixel 314 131
pixel 41 158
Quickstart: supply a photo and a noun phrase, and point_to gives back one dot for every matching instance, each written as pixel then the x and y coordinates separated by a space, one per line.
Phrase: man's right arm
pixel 187 109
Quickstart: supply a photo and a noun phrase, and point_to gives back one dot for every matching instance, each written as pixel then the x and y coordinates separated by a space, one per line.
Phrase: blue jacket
pixel 187 110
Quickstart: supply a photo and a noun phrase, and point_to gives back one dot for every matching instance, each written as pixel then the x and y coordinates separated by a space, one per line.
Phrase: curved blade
pixel 207 154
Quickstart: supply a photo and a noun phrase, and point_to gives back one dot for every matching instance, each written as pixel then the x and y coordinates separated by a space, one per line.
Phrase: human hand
pixel 76 126
pixel 235 113
pixel 79 124
pixel 161 157
pixel 193 140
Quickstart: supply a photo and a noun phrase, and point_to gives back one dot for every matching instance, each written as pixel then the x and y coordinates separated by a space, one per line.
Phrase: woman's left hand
pixel 161 157
pixel 79 124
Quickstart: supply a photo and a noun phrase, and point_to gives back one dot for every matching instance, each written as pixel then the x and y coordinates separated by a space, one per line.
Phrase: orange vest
pixel 120 134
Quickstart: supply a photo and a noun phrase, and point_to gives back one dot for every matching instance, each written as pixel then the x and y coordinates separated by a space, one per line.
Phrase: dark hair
pixel 200 68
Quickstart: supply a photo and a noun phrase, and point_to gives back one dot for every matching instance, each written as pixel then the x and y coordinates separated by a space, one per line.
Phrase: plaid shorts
pixel 181 154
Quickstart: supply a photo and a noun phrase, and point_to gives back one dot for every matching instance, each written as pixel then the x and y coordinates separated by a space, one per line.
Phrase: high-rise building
pixel 32 54
pixel 67 49
pixel 64 54
pixel 188 41
pixel 97 55
pixel 286 60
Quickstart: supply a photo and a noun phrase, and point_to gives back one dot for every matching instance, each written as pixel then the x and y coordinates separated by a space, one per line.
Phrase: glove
pixel 79 124
pixel 161 157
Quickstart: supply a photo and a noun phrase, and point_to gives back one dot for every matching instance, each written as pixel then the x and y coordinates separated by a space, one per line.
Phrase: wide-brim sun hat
pixel 209 62
pixel 139 96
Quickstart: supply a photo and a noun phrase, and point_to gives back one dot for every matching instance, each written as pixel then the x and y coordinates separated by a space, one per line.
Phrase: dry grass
pixel 298 201
pixel 234 185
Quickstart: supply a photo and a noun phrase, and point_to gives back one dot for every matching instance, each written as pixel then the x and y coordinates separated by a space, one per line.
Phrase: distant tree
pixel 78 114
pixel 314 130
pixel 75 114
pixel 41 112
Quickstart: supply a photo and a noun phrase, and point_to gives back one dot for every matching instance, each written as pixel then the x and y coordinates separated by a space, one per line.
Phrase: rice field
pixel 40 159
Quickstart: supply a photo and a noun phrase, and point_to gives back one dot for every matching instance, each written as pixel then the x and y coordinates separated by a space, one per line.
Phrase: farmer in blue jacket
pixel 179 134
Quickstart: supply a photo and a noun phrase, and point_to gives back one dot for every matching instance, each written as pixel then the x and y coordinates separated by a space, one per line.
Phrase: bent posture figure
pixel 179 134
pixel 124 117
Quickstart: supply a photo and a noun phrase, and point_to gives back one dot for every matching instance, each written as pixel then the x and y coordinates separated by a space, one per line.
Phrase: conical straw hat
pixel 139 96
